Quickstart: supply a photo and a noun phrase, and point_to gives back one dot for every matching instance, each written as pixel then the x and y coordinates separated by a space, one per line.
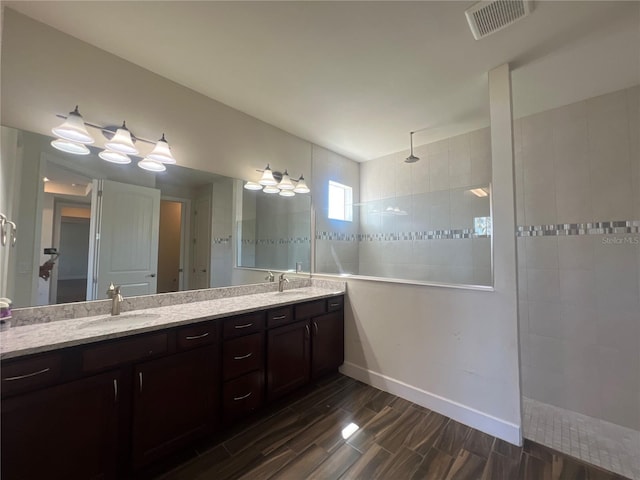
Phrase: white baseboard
pixel 496 427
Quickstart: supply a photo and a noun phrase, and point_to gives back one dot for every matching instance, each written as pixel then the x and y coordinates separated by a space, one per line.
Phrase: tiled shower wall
pixel 432 239
pixel 579 289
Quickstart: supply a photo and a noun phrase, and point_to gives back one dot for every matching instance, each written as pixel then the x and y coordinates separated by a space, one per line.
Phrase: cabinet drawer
pixel 243 325
pixel 242 395
pixel 334 303
pixel 310 309
pixel 123 351
pixel 197 335
pixel 279 316
pixel 242 355
pixel 30 373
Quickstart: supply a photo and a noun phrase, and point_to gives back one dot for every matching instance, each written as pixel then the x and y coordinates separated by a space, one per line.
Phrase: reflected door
pixel 202 239
pixel 123 245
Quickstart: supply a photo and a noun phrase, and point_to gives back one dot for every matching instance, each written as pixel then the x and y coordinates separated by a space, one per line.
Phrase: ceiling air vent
pixel 489 16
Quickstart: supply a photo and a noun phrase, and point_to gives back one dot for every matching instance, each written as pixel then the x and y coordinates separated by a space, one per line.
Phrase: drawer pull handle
pixel 306 327
pixel 315 327
pixel 334 304
pixel 115 390
pixel 195 337
pixel 235 399
pixel 279 317
pixel 140 378
pixel 242 357
pixel 246 325
pixel 20 377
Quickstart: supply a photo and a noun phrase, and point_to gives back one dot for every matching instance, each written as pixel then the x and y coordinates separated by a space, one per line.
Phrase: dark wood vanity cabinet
pixel 311 345
pixel 288 354
pixel 175 399
pixel 63 432
pixel 108 409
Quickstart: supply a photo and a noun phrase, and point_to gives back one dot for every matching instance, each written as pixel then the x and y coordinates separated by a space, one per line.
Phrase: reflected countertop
pixel 43 337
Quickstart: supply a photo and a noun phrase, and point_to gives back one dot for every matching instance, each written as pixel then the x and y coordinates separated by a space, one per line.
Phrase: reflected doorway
pixel 172 245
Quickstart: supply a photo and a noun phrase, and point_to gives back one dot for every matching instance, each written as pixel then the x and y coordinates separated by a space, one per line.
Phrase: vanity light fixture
pixel 301 186
pixel 73 129
pixel 267 179
pixel 276 182
pixel 73 138
pixel 121 142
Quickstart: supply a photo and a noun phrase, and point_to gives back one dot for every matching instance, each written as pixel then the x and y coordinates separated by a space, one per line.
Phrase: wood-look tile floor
pixel 302 439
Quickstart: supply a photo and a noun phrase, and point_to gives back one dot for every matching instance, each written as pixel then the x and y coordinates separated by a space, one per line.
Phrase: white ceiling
pixel 356 77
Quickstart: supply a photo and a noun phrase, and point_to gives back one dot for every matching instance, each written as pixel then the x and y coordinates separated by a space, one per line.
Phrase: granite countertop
pixel 43 337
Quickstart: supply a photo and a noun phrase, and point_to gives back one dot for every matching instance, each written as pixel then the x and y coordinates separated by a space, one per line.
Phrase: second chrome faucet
pixel 281 281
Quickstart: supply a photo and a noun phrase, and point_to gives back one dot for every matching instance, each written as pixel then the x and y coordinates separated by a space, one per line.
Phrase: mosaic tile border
pixel 398 236
pixel 222 240
pixel 569 229
pixel 276 241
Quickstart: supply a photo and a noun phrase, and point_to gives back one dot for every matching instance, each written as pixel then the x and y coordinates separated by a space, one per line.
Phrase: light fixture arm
pixel 110 132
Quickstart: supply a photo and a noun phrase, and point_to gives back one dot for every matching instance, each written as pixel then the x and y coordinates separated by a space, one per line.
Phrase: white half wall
pixel 451 350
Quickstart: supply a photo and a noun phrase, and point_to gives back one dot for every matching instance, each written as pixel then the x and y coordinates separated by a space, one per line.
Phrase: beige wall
pixel 455 350
pixel 45 72
pixel 169 246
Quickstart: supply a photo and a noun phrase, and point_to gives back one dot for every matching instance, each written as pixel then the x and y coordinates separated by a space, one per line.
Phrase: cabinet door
pixel 63 432
pixel 175 399
pixel 327 347
pixel 287 358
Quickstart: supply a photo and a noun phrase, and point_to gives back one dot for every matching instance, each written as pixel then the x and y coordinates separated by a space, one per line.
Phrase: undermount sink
pixel 121 320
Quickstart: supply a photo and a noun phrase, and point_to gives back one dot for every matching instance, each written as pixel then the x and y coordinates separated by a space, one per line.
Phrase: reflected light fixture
pixel 114 157
pixel 411 158
pixel 270 189
pixel 73 137
pixel 276 182
pixel 479 192
pixel 70 147
pixel 151 165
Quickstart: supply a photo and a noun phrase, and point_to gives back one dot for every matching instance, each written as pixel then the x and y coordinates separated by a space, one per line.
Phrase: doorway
pixel 72 227
pixel 172 245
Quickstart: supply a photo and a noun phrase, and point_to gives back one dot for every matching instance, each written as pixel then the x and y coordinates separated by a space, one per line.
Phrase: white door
pixel 123 245
pixel 202 239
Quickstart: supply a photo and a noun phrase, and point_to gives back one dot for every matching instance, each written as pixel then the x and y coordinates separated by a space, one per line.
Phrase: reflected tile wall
pixel 579 286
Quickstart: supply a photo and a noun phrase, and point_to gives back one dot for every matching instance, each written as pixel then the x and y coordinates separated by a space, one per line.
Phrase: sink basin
pixel 286 292
pixel 121 320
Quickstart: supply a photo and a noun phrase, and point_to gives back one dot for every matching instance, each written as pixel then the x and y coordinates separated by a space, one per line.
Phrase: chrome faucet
pixel 113 292
pixel 270 277
pixel 281 282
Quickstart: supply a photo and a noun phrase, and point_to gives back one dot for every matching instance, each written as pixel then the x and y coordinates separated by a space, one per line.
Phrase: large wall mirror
pixel 150 232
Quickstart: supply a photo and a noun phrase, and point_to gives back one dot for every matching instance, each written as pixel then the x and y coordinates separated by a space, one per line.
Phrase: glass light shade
pixel 121 142
pixel 73 129
pixel 114 157
pixel 151 165
pixel 301 187
pixel 267 178
pixel 70 147
pixel 161 152
pixel 287 193
pixel 285 183
pixel 252 186
pixel 271 189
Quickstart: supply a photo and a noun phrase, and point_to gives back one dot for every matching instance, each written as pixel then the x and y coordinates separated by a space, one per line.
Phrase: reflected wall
pixel 428 221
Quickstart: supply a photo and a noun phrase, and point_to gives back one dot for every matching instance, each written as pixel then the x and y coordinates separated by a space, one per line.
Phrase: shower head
pixel 411 158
